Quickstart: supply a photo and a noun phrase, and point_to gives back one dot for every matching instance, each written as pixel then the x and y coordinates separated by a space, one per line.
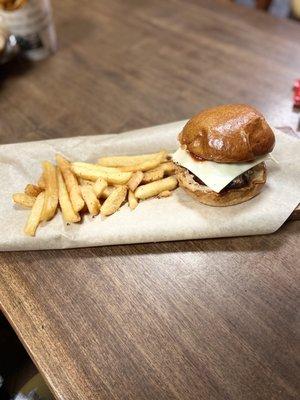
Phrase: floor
pixel 18 375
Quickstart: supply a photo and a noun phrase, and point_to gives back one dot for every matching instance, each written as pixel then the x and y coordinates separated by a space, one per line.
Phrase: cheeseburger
pixel 221 157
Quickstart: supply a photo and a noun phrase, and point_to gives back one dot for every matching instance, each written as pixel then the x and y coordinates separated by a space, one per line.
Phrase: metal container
pixel 8 46
pixel 31 23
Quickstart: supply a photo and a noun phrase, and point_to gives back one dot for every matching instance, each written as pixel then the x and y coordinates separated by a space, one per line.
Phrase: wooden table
pixel 210 319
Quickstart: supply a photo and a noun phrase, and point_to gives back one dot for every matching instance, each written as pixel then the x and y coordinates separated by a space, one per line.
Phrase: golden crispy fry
pixel 76 199
pixel 135 180
pixel 168 168
pixel 85 182
pixel 126 161
pixel 68 212
pixel 165 193
pixel 90 199
pixel 146 165
pixel 35 215
pixel 153 175
pixel 96 167
pixel 41 182
pixel 114 201
pixel 154 188
pixel 107 191
pixel 92 172
pixel 23 199
pixel 99 186
pixel 159 172
pixel 79 185
pixel 132 200
pixel 71 183
pixel 51 191
pixel 33 190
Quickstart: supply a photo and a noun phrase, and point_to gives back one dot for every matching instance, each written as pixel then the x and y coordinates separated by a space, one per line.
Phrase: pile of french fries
pixel 102 188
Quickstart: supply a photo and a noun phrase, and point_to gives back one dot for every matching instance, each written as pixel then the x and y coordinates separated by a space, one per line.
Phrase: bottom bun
pixel 227 197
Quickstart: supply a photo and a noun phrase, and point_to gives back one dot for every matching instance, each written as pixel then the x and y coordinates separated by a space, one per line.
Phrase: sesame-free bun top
pixel 228 134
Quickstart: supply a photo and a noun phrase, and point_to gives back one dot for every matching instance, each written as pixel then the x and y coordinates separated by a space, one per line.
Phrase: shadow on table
pixel 263 244
pixel 247 244
pixel 75 29
pixel 15 67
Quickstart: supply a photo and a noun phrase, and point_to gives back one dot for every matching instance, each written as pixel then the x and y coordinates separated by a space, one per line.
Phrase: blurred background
pixel 167 59
pixel 278 8
pixel 72 68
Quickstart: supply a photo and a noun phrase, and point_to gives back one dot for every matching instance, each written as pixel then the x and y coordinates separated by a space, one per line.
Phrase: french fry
pixel 41 182
pixel 146 165
pixel 93 172
pixel 168 168
pixel 165 193
pixel 154 188
pixel 159 172
pixel 153 175
pixel 35 215
pixel 68 212
pixel 107 191
pixel 99 186
pixel 71 183
pixel 90 199
pixel 33 190
pixel 135 180
pixel 125 161
pixel 79 186
pixel 51 191
pixel 114 201
pixel 132 200
pixel 85 182
pixel 95 167
pixel 24 200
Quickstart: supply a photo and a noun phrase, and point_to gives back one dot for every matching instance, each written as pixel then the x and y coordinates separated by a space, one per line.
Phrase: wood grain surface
pixel 296 213
pixel 211 319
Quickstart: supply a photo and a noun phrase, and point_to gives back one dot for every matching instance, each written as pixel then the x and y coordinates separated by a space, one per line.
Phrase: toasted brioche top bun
pixel 228 134
pixel 228 197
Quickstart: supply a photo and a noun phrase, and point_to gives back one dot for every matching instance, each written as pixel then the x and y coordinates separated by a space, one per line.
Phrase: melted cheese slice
pixel 214 175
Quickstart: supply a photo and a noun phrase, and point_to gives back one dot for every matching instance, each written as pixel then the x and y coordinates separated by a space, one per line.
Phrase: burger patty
pixel 257 178
pixel 237 183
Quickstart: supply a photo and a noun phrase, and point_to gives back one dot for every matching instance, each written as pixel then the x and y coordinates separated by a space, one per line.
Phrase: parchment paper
pixel 175 218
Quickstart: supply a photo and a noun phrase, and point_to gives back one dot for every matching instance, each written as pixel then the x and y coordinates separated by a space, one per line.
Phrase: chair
pixel 262 4
pixel 290 8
